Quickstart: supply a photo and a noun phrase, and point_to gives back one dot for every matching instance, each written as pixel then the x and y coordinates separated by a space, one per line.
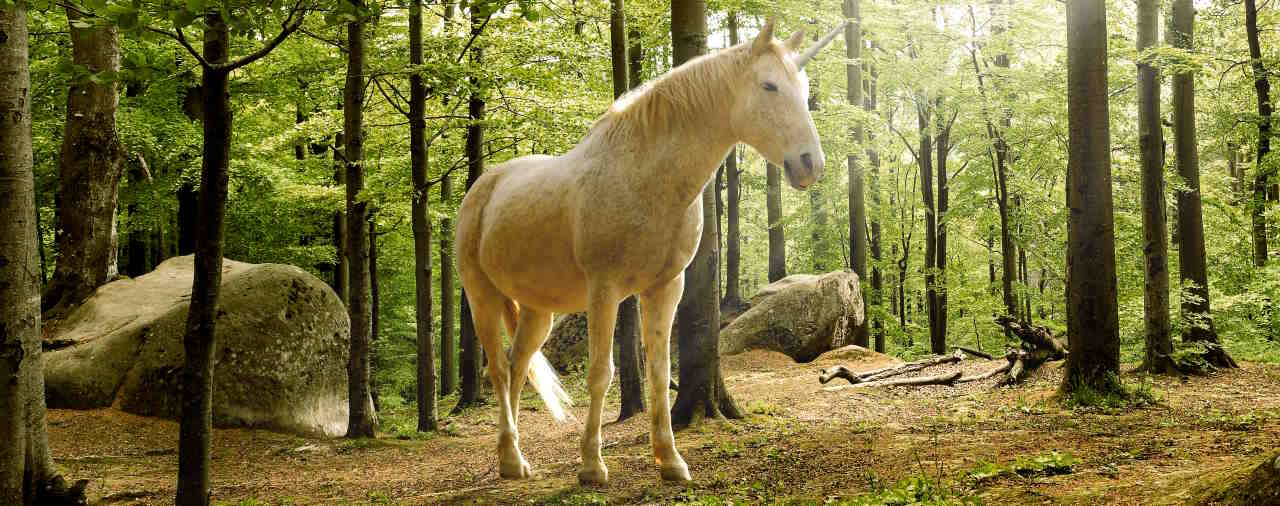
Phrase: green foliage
pixel 1110 393
pixel 1050 464
pixel 915 490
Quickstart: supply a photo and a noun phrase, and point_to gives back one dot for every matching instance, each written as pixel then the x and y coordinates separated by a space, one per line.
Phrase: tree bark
pixel 930 223
pixel 471 353
pixel 448 343
pixel 938 339
pixel 1192 268
pixel 188 217
pixel 361 417
pixel 342 268
pixel 90 167
pixel 421 226
pixel 873 157
pixel 777 237
pixel 25 463
pixel 702 392
pixel 1155 247
pixel 198 344
pixel 1093 327
pixel 857 197
pixel 1262 171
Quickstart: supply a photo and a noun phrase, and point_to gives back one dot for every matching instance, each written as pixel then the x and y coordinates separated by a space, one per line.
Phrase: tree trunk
pixel 342 269
pixel 421 226
pixel 25 463
pixel 817 200
pixel 930 223
pixel 198 344
pixel 471 353
pixel 361 417
pixel 857 198
pixel 188 218
pixel 873 156
pixel 90 167
pixel 1262 171
pixel 938 339
pixel 702 392
pixel 448 343
pixel 1192 268
pixel 137 240
pixel 777 238
pixel 1007 246
pixel 1155 246
pixel 1093 326
pixel 375 301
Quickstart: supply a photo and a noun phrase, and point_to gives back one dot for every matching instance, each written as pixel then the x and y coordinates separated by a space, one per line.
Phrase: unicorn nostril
pixel 807 161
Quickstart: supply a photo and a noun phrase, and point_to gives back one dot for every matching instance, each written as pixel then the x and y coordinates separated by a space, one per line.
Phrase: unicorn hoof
pixel 676 473
pixel 599 477
pixel 515 471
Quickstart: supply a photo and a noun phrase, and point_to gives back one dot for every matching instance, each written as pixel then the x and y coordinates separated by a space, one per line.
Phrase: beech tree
pixel 421 226
pixel 857 197
pixel 1261 172
pixel 91 165
pixel 1155 247
pixel 1093 326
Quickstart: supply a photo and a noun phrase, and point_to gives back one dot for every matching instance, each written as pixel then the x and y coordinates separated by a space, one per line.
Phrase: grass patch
pixel 1049 464
pixel 915 490
pixel 764 408
pixel 1110 394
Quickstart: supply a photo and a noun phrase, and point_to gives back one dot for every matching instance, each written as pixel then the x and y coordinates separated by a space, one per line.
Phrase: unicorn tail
pixel 544 380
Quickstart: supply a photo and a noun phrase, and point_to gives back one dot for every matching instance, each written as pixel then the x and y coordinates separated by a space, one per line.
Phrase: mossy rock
pixel 1252 485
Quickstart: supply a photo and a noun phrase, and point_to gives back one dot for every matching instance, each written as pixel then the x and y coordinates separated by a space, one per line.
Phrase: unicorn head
pixel 772 115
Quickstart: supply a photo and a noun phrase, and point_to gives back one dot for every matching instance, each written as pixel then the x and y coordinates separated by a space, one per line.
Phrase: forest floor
pixel 801 442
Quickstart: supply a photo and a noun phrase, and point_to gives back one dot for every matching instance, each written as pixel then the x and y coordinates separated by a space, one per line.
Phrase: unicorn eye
pixel 768 86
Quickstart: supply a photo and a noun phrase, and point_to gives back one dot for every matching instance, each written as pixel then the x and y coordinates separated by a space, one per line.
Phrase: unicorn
pixel 620 214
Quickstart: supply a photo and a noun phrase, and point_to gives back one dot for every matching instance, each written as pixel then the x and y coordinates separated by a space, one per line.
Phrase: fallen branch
pixel 841 371
pixel 974 352
pixel 941 379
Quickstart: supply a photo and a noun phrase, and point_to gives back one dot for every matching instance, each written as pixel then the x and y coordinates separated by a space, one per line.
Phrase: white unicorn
pixel 621 214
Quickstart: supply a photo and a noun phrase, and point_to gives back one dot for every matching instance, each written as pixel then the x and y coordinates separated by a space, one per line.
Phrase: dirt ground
pixel 801 443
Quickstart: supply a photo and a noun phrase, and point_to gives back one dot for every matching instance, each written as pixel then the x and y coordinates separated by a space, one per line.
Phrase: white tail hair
pixel 543 378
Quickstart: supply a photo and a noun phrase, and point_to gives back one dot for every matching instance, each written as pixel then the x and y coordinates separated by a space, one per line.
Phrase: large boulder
pixel 566 347
pixel 802 316
pixel 279 363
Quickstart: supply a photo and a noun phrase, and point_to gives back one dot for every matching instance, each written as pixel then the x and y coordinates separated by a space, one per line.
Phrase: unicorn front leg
pixel 657 309
pixel 602 314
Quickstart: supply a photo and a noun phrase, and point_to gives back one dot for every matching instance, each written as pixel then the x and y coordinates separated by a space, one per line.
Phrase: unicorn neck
pixel 680 138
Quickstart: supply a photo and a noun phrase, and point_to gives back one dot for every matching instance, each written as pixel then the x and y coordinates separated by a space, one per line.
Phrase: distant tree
pixel 702 392
pixel 733 214
pixel 421 226
pixel 1191 252
pixel 448 343
pixel 1155 248
pixel 877 282
pixel 1262 171
pixel 626 332
pixel 1093 321
pixel 777 235
pixel 90 168
pixel 943 145
pixel 471 353
pixel 857 197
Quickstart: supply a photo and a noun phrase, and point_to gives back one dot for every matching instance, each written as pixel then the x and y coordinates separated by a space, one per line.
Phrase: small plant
pixel 765 408
pixel 915 490
pixel 1111 394
pixel 1049 464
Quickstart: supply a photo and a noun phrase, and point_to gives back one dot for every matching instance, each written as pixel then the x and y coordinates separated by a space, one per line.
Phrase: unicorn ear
pixel 761 44
pixel 796 41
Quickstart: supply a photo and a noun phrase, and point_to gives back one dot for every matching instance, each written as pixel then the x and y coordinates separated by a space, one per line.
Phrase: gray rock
pixel 280 349
pixel 802 316
pixel 566 347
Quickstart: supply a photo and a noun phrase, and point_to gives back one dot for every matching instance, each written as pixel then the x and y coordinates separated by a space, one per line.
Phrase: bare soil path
pixel 802 443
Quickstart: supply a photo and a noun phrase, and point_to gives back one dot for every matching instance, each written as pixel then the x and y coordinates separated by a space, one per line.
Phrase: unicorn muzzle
pixel 804 169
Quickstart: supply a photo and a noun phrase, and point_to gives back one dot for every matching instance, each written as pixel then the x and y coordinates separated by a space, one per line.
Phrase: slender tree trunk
pixel 1155 246
pixel 471 353
pixel 1233 169
pixel 137 238
pixel 938 339
pixel 1007 246
pixel 197 373
pixel 1192 268
pixel 626 333
pixel 777 239
pixel 817 199
pixel 930 222
pixel 421 226
pixel 188 217
pixel 857 198
pixel 873 157
pixel 91 165
pixel 375 301
pixel 702 392
pixel 1262 171
pixel 25 464
pixel 448 343
pixel 1093 322
pixel 361 416
pixel 342 270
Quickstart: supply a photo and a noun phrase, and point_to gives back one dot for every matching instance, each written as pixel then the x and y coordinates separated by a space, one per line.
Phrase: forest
pixel 1032 255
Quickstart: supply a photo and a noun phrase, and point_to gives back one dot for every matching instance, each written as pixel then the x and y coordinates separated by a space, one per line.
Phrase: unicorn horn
pixel 804 57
